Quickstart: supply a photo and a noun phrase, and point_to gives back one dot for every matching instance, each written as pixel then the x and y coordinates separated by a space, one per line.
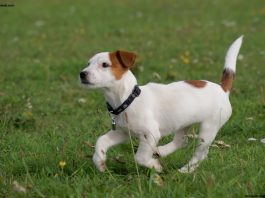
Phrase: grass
pixel 44 119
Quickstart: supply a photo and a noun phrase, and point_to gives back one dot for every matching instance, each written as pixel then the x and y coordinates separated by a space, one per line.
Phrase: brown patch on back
pixel 121 61
pixel 197 83
pixel 227 80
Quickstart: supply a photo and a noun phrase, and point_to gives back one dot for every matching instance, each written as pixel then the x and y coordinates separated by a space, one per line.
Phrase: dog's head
pixel 105 68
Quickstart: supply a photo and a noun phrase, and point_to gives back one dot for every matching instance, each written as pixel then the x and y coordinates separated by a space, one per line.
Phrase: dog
pixel 155 110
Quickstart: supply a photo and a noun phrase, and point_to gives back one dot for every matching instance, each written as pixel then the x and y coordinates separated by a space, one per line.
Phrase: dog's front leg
pixel 104 142
pixel 144 154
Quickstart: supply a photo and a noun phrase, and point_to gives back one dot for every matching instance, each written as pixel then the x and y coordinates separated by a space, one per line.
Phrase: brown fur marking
pixel 156 155
pixel 127 59
pixel 126 117
pixel 227 80
pixel 121 62
pixel 196 83
pixel 116 67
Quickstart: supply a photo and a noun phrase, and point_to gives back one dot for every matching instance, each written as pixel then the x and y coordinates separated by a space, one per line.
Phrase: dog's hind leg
pixel 208 131
pixel 178 142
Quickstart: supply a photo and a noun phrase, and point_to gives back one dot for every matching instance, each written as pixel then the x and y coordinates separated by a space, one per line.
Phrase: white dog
pixel 156 110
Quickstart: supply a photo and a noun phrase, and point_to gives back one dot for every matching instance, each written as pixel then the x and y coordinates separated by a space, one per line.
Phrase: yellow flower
pixel 157 179
pixel 185 58
pixel 62 164
pixel 27 114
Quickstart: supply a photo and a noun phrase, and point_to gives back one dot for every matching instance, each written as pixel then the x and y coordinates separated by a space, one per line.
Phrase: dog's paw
pixel 149 162
pixel 100 163
pixel 157 166
pixel 188 169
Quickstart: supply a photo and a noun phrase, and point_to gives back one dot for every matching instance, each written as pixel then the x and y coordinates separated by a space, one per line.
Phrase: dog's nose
pixel 83 74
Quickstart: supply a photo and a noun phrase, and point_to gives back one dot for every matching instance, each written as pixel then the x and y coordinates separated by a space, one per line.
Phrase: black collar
pixel 135 93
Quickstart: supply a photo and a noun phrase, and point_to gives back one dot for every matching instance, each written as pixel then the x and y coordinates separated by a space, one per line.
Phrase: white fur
pixel 159 111
pixel 231 55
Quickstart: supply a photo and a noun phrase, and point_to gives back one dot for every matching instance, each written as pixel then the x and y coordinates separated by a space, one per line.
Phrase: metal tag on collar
pixel 113 123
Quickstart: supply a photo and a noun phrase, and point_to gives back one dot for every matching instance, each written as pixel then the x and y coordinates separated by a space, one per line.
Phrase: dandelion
pixel 27 114
pixel 157 179
pixel 185 58
pixel 62 164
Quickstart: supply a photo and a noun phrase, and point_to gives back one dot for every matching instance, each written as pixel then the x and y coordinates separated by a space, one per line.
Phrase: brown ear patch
pixel 126 59
pixel 227 80
pixel 196 83
pixel 121 62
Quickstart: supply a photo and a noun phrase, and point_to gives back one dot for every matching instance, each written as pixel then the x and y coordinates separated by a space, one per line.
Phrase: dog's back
pixel 180 104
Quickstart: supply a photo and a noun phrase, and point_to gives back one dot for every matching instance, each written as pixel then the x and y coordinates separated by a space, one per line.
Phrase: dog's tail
pixel 230 65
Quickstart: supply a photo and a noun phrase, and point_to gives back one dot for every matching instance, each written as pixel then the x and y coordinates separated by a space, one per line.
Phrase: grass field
pixel 46 117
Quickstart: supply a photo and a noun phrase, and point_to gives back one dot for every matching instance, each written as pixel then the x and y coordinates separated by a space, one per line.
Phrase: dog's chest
pixel 118 121
pixel 123 122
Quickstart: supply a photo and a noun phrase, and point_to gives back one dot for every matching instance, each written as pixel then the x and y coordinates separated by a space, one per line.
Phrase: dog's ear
pixel 126 59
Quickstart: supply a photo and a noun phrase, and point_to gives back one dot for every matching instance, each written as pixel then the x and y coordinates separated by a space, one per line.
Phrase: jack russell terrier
pixel 155 110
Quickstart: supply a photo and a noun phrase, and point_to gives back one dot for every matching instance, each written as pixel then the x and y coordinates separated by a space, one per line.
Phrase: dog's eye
pixel 105 65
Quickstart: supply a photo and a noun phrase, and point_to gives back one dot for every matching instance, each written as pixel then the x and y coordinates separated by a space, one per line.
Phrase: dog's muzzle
pixel 83 77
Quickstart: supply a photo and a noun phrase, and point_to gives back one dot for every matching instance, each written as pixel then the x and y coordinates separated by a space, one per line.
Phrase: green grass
pixel 44 45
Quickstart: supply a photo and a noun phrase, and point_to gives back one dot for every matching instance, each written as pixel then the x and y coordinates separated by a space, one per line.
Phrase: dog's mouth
pixel 86 82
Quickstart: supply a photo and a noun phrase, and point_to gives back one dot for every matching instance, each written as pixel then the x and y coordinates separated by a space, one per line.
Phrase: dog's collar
pixel 135 93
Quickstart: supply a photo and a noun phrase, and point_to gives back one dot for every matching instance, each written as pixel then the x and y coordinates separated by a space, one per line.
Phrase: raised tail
pixel 230 65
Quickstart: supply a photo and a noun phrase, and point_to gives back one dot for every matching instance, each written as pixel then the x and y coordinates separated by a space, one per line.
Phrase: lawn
pixel 47 118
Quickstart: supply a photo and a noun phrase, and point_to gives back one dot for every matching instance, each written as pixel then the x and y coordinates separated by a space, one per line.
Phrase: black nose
pixel 83 74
